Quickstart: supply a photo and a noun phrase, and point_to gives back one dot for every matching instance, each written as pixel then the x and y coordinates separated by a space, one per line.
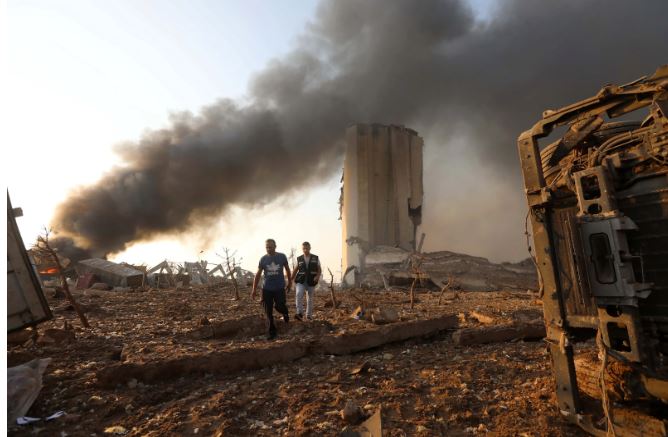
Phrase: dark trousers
pixel 271 299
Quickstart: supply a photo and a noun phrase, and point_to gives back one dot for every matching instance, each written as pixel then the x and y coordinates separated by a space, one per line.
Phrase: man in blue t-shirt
pixel 273 290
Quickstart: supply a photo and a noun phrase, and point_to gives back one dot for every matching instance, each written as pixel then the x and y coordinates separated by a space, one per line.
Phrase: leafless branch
pixel 42 246
pixel 231 269
pixel 331 288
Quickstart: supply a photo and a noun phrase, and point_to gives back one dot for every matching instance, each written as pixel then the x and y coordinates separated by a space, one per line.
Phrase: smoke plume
pixel 468 86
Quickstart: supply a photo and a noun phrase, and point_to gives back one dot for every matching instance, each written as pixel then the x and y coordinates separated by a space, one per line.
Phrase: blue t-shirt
pixel 272 266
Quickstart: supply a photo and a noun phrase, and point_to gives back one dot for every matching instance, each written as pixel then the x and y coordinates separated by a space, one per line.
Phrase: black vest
pixel 307 273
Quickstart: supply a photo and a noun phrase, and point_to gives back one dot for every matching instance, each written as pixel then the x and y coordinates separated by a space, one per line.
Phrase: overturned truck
pixel 598 207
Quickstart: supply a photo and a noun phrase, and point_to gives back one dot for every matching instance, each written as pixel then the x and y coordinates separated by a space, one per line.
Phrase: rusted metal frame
pixel 554 309
pixel 613 101
pixel 617 105
pixel 637 94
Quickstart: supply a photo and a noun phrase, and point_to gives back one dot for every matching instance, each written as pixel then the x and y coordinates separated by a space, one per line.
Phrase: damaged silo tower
pixel 382 192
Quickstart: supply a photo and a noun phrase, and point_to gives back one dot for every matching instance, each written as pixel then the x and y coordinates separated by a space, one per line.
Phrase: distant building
pixel 381 198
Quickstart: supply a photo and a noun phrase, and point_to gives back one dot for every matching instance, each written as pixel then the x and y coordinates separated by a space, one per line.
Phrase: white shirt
pixel 307 258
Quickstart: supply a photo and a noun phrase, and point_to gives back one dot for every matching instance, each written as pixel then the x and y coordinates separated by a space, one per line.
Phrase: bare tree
pixel 415 261
pixel 416 270
pixel 331 288
pixel 450 284
pixel 231 263
pixel 43 248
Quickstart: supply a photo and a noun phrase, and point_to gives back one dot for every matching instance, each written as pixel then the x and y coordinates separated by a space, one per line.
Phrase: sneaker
pixel 309 318
pixel 298 317
pixel 286 318
pixel 271 336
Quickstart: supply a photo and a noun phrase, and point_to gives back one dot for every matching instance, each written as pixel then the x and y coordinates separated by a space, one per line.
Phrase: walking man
pixel 306 277
pixel 273 290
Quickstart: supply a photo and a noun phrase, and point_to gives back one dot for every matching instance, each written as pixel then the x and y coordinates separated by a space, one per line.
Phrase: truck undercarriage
pixel 598 208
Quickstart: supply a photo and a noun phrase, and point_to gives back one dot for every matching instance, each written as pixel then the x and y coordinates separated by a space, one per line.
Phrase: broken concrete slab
pixel 350 343
pixel 386 255
pixel 226 362
pixel 373 426
pixel 499 333
pixel 251 326
pixel 222 362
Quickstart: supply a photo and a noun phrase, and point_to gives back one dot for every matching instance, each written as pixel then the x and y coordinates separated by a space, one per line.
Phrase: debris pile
pixel 390 266
pixel 110 273
pixel 177 361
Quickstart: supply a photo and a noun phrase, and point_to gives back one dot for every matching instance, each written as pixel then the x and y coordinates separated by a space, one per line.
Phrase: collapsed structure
pixel 598 201
pixel 111 273
pixel 381 198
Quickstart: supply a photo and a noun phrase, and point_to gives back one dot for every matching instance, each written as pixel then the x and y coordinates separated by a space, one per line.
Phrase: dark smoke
pixel 66 246
pixel 428 64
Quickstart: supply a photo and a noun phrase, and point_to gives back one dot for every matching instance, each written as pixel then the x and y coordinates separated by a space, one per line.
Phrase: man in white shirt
pixel 306 277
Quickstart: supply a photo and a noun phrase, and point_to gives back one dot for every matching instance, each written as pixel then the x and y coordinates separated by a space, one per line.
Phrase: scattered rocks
pixel 361 369
pixel 280 422
pixel 72 418
pixel 56 336
pixel 96 400
pixel 418 385
pixel 385 315
pixel 352 414
pixel 449 295
pixel 115 430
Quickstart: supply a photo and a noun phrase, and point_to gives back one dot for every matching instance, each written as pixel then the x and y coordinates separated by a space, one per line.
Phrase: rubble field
pixel 196 362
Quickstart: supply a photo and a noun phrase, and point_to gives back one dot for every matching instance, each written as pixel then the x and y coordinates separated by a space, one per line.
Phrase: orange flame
pixel 49 271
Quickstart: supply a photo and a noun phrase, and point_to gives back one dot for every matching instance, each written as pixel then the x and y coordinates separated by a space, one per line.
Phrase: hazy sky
pixel 83 76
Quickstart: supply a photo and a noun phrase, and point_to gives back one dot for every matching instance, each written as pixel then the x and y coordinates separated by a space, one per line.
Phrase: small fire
pixel 49 271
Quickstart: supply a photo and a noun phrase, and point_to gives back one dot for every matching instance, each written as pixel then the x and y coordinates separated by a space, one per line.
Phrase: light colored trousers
pixel 300 289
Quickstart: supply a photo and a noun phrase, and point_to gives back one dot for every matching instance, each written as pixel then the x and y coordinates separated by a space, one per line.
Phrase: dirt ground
pixel 424 386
